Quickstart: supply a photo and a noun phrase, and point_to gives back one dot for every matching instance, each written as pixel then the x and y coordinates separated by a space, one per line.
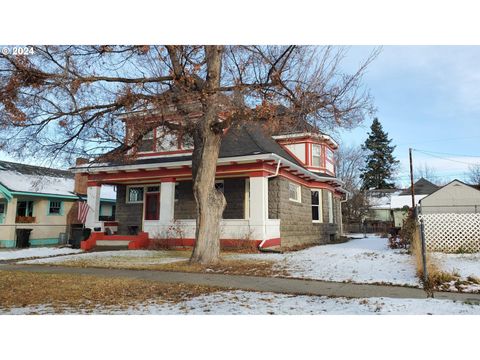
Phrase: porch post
pixel 258 206
pixel 167 201
pixel 93 201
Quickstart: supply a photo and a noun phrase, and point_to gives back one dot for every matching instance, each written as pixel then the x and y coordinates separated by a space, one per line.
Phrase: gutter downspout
pixel 269 177
pixel 341 202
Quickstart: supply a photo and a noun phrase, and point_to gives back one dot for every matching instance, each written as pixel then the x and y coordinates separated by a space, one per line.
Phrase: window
pixel 177 191
pixel 316 155
pixel 135 195
pixel 187 142
pixel 330 207
pixel 165 141
pixel 55 208
pixel 153 189
pixel 148 135
pixel 317 213
pixel 146 145
pixel 294 192
pixel 25 208
pixel 2 212
pixel 219 185
pixel 329 154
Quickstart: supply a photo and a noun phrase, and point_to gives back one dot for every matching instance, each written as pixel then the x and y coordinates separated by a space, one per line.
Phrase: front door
pixel 152 206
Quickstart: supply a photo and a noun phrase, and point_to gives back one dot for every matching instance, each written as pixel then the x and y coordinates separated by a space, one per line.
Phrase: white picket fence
pixel 451 232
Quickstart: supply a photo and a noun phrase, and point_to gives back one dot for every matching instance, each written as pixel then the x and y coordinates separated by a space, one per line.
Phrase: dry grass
pixel 232 267
pixel 64 292
pixel 224 266
pixel 437 278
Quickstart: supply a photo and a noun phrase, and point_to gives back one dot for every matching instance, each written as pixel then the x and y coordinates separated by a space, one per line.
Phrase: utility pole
pixel 411 179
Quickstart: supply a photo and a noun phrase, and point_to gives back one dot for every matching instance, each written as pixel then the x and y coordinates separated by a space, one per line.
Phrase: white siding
pixel 298 150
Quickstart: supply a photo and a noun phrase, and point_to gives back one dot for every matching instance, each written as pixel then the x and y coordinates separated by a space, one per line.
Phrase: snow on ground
pixel 36 252
pixel 360 260
pixel 127 257
pixel 257 303
pixel 464 265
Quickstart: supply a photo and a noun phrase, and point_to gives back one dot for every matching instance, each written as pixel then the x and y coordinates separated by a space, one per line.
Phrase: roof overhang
pixel 102 168
pixel 325 137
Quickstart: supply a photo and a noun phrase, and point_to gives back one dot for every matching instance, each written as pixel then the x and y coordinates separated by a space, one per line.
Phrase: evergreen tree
pixel 380 164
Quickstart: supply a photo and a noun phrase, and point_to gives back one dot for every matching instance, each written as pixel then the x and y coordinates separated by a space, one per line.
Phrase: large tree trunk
pixel 207 139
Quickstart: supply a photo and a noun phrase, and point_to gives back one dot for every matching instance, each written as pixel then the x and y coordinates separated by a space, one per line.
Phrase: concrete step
pixel 109 248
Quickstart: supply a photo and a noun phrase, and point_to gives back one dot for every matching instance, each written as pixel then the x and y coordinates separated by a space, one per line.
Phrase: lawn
pixel 24 292
pixel 361 260
pixel 30 293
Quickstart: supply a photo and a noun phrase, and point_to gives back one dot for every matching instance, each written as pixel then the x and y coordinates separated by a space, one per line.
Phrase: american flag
pixel 82 211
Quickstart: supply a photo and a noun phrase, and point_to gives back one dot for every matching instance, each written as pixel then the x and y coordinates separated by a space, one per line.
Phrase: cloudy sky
pixel 428 98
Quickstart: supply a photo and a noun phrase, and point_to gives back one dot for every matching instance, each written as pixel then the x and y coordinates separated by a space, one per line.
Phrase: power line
pixel 445 153
pixel 445 158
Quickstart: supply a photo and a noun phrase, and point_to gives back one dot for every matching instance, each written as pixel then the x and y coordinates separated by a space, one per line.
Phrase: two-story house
pixel 281 190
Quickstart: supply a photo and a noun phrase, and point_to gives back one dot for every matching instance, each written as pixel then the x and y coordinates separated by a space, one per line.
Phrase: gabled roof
pixel 16 178
pixel 475 187
pixel 422 187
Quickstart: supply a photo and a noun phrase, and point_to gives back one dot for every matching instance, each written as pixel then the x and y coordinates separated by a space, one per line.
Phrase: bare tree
pixel 66 101
pixel 349 160
pixel 427 172
pixel 473 175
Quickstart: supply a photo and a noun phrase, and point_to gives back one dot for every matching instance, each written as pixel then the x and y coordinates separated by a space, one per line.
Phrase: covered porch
pixel 162 210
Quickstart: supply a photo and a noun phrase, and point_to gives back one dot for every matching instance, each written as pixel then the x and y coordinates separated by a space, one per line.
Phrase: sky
pixel 427 98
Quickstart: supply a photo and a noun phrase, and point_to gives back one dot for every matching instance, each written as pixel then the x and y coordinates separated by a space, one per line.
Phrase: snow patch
pixel 257 303
pixel 36 252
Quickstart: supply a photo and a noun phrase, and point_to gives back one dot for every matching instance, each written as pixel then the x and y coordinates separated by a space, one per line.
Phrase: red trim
pixel 168 180
pixel 136 241
pixel 308 154
pixel 173 173
pixel 93 183
pixel 242 170
pixel 141 241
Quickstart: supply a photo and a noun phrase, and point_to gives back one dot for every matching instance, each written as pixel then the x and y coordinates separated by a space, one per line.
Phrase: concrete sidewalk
pixel 253 283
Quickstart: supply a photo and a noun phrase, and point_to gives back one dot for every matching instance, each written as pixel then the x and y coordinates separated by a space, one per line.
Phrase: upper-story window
pixel 330 163
pixel 316 155
pixel 160 140
pixel 166 142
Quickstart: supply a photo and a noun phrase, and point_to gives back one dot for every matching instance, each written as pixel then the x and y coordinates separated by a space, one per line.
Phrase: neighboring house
pixel 280 190
pixel 390 206
pixel 455 197
pixel 41 199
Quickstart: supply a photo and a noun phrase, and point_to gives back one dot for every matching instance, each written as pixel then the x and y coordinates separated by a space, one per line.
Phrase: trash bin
pixel 78 235
pixel 23 237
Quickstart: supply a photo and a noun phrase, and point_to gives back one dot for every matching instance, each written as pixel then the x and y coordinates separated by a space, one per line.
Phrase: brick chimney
pixel 81 178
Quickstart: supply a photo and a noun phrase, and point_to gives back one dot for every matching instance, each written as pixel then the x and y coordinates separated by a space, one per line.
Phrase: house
pixel 456 197
pixel 389 207
pixel 43 200
pixel 280 189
